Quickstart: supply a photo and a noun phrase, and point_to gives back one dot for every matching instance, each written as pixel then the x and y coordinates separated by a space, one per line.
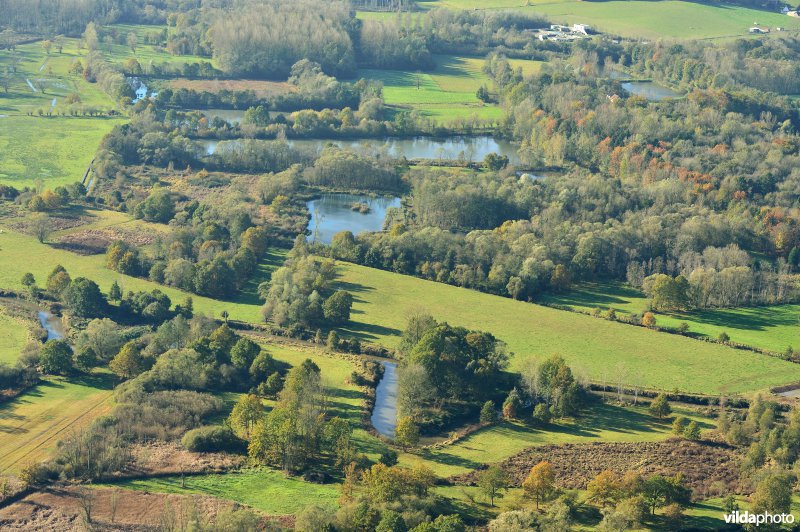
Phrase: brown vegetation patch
pixel 95 241
pixel 702 463
pixel 171 458
pixel 263 89
pixel 60 508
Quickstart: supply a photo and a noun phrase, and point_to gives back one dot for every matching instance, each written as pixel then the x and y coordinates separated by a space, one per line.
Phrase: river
pixel 51 324
pixel 384 415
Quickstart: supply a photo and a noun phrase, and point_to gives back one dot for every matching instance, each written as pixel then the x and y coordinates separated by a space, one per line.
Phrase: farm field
pixel 32 423
pixel 600 349
pixel 56 149
pixel 446 93
pixel 769 327
pixel 22 253
pixel 670 19
pixel 264 489
pixel 15 336
pixel 602 423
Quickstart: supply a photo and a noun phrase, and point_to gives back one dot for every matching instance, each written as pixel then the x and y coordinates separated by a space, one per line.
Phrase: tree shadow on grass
pixel 745 318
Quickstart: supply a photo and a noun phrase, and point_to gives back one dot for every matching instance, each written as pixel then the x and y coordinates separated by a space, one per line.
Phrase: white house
pixel 581 28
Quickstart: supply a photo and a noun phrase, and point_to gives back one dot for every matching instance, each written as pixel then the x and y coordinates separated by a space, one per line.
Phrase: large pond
pixel 332 213
pixel 649 90
pixel 449 149
pixel 384 415
pixel 51 324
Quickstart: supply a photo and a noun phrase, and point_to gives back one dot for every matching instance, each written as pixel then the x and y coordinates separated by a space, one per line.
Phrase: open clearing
pixel 769 327
pixel 446 93
pixel 15 336
pixel 57 149
pixel 32 423
pixel 601 423
pixel 264 489
pixel 673 19
pixel 262 89
pixel 600 349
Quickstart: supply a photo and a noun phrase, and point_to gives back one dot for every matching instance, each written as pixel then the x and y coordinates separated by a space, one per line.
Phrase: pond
pixel 332 213
pixel 51 324
pixel 449 149
pixel 649 90
pixel 229 115
pixel 384 415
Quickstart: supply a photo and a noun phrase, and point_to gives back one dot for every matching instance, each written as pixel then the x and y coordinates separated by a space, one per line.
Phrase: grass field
pixel 146 54
pixel 769 327
pixel 445 94
pixel 263 489
pixel 600 349
pixel 56 150
pixel 13 338
pixel 672 19
pixel 21 253
pixel 32 424
pixel 601 423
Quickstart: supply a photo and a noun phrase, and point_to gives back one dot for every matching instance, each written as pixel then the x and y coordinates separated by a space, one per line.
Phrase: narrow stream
pixel 384 415
pixel 51 324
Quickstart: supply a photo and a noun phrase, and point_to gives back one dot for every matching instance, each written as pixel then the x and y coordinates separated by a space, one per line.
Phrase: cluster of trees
pixel 267 38
pixel 213 252
pixel 442 365
pixel 302 293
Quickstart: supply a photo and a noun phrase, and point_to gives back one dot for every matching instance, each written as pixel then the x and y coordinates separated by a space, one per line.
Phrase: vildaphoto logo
pixel 748 518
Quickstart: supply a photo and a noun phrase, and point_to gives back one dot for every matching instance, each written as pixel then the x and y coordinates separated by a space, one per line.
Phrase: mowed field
pixel 445 94
pixel 32 424
pixel 600 423
pixel 264 489
pixel 672 19
pixel 773 327
pixel 602 350
pixel 13 338
pixel 57 149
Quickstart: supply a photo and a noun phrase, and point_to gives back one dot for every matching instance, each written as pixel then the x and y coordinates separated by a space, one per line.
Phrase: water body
pixel 229 115
pixel 333 213
pixel 649 90
pixel 449 149
pixel 384 415
pixel 51 324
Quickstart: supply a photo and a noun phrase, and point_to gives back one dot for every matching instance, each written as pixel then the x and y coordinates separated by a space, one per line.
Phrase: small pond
pixel 229 115
pixel 332 213
pixel 384 415
pixel 449 149
pixel 51 324
pixel 649 90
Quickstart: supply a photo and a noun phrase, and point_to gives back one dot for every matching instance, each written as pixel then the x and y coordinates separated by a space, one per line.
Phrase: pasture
pixel 769 327
pixel 15 336
pixel 444 94
pixel 601 423
pixel 263 489
pixel 32 424
pixel 668 19
pixel 55 149
pixel 602 350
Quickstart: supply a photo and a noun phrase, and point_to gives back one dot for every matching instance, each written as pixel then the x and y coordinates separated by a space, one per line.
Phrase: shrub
pixel 212 439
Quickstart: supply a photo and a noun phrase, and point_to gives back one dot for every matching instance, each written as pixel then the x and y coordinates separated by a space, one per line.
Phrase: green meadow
pixel 33 423
pixel 601 423
pixel 667 19
pixel 15 336
pixel 603 351
pixel 56 150
pixel 772 327
pixel 263 489
pixel 444 94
